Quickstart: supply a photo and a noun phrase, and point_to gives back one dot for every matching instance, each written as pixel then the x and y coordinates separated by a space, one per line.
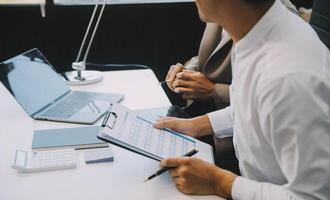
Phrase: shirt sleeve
pixel 221 122
pixel 246 189
pixel 294 116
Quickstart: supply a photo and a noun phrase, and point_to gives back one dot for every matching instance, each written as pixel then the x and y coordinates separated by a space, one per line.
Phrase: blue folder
pixel 76 138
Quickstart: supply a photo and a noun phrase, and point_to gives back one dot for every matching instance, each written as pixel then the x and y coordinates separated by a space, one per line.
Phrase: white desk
pixel 121 179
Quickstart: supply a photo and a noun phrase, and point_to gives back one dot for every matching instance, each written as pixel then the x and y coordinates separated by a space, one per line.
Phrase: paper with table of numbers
pixel 123 127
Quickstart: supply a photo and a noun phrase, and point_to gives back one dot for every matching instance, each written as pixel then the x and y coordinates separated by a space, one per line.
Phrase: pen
pixel 164 169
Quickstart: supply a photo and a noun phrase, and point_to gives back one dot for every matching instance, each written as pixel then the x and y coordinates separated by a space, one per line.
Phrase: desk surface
pixel 121 179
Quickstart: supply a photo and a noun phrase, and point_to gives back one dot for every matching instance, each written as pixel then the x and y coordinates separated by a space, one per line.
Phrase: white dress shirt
pixel 279 112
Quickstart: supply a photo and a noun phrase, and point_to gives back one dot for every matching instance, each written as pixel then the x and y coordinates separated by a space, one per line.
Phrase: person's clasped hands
pixel 191 84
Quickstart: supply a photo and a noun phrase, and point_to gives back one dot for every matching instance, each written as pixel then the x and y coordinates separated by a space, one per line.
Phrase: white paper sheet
pixel 129 128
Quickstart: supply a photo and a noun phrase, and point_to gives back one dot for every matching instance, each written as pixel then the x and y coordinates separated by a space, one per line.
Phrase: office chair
pixel 320 20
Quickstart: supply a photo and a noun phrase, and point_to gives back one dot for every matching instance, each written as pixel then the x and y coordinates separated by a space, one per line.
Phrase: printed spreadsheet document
pixel 127 128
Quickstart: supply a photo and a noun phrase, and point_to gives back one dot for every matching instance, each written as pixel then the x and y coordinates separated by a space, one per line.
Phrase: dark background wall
pixel 156 35
pixel 303 3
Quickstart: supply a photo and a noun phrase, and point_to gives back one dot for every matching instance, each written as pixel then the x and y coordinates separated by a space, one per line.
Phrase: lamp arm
pixel 87 31
pixel 94 31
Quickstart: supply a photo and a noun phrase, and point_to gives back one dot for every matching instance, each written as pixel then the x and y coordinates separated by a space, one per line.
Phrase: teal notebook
pixel 76 138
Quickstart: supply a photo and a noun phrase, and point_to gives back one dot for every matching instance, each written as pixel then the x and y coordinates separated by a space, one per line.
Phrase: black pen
pixel 164 169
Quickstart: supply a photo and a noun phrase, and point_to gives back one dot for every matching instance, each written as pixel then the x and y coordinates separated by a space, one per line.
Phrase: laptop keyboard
pixel 69 106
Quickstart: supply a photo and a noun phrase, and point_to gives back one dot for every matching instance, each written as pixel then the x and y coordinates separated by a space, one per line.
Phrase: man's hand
pixel 194 176
pixel 193 85
pixel 194 127
pixel 185 126
pixel 171 75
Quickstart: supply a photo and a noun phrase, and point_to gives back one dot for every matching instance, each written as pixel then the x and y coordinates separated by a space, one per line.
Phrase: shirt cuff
pixel 221 122
pixel 243 189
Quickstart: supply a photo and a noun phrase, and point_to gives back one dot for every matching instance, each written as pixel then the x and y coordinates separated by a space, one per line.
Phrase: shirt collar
pixel 260 29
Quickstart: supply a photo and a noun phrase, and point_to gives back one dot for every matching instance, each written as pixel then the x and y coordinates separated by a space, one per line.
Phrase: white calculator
pixel 38 161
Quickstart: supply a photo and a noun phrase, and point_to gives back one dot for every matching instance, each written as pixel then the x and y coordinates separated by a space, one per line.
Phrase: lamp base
pixel 89 76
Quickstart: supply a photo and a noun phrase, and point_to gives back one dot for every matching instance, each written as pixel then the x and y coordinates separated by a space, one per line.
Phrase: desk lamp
pixel 82 76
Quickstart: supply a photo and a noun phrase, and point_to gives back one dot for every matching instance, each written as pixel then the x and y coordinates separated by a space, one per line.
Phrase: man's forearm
pixel 223 182
pixel 204 125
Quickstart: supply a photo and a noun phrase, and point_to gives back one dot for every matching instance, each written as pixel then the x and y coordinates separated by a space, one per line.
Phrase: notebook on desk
pixel 76 138
pixel 125 128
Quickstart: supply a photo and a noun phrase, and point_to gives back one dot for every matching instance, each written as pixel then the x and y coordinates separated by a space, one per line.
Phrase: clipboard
pixel 126 129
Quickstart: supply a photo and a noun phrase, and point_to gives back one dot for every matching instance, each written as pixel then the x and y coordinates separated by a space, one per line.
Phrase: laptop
pixel 44 95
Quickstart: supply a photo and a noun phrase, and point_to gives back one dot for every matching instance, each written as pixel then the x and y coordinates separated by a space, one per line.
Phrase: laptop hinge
pixel 51 103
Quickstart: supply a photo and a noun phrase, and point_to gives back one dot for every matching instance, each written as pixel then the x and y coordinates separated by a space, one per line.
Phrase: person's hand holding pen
pixel 192 175
pixel 164 169
pixel 195 176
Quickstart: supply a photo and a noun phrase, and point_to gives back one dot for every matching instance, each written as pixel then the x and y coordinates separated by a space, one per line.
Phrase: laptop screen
pixel 31 79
